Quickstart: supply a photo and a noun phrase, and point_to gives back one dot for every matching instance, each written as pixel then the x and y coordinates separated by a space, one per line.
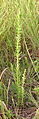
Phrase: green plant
pixel 19 40
pixel 3 91
pixel 4 111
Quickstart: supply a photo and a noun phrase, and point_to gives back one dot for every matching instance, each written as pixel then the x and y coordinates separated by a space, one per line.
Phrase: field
pixel 19 59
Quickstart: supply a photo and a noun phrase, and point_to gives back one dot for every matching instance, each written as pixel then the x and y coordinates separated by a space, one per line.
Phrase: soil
pixel 27 113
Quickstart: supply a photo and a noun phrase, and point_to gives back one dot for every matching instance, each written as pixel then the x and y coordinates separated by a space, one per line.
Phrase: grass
pixel 19 43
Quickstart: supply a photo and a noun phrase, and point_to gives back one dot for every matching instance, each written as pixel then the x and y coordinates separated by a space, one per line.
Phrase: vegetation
pixel 19 56
pixel 37 114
